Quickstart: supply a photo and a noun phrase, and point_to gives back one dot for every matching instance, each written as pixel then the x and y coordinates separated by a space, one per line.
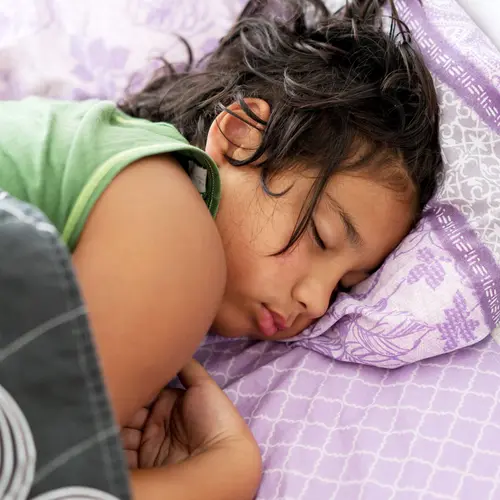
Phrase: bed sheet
pixel 427 431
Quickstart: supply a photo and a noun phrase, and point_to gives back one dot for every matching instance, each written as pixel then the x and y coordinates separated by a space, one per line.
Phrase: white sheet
pixel 486 14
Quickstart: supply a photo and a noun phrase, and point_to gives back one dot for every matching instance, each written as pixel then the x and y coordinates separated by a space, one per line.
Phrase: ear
pixel 236 134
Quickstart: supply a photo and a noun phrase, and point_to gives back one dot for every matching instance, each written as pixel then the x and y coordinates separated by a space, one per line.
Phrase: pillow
pixel 439 291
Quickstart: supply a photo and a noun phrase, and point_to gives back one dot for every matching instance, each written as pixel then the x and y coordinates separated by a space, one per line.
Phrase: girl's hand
pixel 181 424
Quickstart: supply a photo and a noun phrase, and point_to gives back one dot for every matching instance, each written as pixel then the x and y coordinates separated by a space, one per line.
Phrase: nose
pixel 314 294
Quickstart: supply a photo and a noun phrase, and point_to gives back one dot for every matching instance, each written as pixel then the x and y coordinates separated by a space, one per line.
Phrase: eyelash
pixel 316 236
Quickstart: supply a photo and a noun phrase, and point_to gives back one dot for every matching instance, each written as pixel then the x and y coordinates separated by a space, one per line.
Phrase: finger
pixel 132 459
pixel 162 409
pixel 131 439
pixel 194 374
pixel 139 419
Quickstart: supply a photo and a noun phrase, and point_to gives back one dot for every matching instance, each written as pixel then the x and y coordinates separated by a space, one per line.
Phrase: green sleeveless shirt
pixel 60 156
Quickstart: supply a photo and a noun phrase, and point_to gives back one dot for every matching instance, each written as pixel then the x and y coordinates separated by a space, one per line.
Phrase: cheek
pixel 292 259
pixel 254 235
pixel 250 265
pixel 253 272
pixel 246 254
pixel 254 227
pixel 291 267
pixel 241 261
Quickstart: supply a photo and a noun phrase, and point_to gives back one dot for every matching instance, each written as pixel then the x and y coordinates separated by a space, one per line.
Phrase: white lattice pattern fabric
pixel 427 431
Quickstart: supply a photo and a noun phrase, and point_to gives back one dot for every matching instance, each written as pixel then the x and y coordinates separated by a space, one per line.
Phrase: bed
pixel 332 423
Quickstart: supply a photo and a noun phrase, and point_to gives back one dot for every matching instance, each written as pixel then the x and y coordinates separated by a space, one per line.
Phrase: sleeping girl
pixel 238 196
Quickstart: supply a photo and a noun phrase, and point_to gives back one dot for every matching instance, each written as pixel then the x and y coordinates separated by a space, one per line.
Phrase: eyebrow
pixel 350 227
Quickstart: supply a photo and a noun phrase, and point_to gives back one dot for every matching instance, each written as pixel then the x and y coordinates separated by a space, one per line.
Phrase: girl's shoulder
pixel 152 270
pixel 62 155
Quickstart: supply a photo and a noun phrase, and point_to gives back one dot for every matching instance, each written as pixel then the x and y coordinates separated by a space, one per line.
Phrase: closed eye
pixel 317 238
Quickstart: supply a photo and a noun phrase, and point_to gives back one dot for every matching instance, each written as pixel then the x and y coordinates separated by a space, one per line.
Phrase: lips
pixel 279 321
pixel 270 322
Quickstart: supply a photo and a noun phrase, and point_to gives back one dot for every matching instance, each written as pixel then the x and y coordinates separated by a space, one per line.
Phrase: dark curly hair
pixel 334 82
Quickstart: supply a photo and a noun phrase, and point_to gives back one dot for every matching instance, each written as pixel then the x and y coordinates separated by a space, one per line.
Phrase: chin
pixel 228 331
pixel 229 323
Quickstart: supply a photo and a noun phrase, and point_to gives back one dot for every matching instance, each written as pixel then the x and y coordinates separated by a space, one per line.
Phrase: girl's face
pixel 357 223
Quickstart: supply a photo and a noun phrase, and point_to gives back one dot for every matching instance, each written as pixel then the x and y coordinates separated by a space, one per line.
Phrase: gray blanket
pixel 58 438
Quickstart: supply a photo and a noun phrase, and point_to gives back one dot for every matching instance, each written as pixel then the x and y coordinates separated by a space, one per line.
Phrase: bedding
pixel 329 424
pixel 72 448
pixel 485 14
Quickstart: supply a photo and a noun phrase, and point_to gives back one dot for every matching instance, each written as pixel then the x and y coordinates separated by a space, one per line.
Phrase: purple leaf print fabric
pixel 458 328
pixel 99 66
pixel 331 416
pixel 429 269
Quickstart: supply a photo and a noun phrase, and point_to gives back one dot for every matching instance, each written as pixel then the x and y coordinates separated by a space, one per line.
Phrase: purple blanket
pixel 330 429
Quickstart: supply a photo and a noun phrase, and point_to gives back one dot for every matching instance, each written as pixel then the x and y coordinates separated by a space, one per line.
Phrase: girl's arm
pixel 197 435
pixel 218 474
pixel 151 268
